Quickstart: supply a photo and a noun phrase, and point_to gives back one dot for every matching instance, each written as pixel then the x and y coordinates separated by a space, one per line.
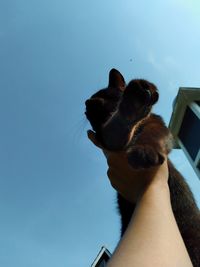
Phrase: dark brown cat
pixel 121 117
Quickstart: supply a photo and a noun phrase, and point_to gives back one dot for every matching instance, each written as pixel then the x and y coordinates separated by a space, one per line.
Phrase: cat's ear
pixel 116 80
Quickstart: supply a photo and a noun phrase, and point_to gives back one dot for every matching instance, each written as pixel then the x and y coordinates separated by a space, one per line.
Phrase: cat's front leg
pixel 137 101
pixel 152 144
pixel 135 105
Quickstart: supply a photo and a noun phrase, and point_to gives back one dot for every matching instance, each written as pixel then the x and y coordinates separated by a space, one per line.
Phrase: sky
pixel 57 207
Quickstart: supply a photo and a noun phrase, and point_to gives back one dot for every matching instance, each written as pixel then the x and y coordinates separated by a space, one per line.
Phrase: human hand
pixel 129 182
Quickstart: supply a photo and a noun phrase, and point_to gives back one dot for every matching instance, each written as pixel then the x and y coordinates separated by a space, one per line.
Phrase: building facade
pixel 185 125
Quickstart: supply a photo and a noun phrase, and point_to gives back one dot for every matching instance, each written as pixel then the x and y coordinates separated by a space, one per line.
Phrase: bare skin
pixel 152 237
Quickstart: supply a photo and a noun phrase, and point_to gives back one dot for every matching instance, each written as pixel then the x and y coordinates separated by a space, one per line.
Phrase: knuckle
pixel 111 177
pixel 109 172
pixel 113 184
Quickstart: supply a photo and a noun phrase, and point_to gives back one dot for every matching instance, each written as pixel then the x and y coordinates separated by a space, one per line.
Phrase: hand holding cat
pixel 129 182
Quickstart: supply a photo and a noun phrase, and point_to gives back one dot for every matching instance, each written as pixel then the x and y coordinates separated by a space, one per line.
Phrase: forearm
pixel 152 237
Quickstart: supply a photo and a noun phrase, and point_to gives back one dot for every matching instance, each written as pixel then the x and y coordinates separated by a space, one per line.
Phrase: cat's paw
pixel 144 157
pixel 137 99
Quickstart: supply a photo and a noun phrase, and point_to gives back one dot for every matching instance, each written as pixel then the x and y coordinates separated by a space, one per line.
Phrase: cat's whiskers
pixel 76 132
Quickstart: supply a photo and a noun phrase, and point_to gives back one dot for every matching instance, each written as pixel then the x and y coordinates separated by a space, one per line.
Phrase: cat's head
pixel 101 105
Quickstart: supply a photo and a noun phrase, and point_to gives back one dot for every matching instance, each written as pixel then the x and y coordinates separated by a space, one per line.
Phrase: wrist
pixel 156 189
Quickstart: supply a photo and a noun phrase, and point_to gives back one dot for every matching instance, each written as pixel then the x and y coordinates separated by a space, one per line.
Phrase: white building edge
pixel 102 258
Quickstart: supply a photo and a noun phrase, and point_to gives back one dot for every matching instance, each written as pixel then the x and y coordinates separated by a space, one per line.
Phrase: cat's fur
pixel 121 117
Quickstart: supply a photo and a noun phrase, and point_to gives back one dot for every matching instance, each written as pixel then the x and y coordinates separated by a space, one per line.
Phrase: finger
pixel 92 137
pixel 114 179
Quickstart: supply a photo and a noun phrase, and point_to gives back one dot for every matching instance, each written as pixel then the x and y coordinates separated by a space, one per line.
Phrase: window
pixel 102 264
pixel 198 165
pixel 189 132
pixel 198 103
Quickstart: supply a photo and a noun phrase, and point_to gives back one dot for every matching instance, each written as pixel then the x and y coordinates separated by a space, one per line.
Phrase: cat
pixel 121 117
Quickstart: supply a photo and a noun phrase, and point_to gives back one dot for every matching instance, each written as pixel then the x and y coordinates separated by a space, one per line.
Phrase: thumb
pixel 92 136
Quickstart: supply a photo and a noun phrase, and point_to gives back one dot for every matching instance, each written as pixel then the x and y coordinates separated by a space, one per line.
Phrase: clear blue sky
pixel 56 206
